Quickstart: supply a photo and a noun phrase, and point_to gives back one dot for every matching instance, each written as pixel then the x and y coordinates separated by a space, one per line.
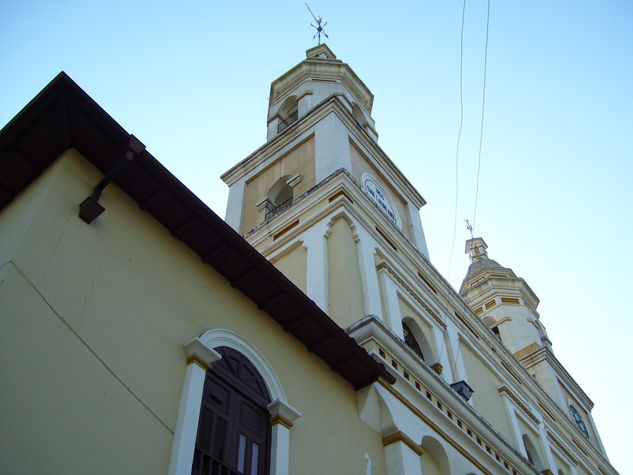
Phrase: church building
pixel 308 333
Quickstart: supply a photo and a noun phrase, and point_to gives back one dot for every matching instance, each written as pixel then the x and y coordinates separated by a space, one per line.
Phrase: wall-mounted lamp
pixel 90 208
pixel 463 389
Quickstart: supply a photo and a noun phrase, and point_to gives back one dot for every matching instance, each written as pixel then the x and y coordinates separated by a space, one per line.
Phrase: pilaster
pixel 282 417
pixel 390 300
pixel 452 344
pixel 416 229
pixel 402 457
pixel 369 276
pixel 513 423
pixel 331 147
pixel 439 337
pixel 549 459
pixel 199 360
pixel 235 205
pixel 316 276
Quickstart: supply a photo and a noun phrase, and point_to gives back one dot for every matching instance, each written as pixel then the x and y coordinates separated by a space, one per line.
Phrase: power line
pixel 459 134
pixel 483 108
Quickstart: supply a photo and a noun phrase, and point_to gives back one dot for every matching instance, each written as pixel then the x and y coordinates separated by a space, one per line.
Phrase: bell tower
pixel 507 305
pixel 324 203
pixel 505 302
pixel 320 198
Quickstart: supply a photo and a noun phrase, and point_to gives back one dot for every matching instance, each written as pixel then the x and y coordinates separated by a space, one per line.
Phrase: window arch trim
pixel 201 355
pixel 222 337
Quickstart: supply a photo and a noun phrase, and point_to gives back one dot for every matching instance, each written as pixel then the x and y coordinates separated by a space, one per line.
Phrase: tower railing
pixel 278 209
pixel 283 124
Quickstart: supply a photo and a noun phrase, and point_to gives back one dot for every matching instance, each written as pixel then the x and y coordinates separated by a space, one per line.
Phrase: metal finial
pixel 470 228
pixel 318 27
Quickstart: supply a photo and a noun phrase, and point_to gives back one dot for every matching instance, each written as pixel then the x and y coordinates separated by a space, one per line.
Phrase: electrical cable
pixel 459 134
pixel 483 108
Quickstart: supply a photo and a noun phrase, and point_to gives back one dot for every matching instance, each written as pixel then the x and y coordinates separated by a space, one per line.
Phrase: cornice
pixel 495 285
pixel 282 143
pixel 384 265
pixel 331 70
pixel 503 389
pixel 562 448
pixel 371 329
pixel 431 399
pixel 544 353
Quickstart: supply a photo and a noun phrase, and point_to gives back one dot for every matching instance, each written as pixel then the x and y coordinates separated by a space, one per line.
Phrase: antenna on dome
pixel 318 26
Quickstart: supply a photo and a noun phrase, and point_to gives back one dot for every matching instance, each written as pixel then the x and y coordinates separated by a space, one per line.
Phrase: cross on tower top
pixel 319 28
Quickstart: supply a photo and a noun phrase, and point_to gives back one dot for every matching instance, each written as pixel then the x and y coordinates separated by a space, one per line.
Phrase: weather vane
pixel 318 27
pixel 470 228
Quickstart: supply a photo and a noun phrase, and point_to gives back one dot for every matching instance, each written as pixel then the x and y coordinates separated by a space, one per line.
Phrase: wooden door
pixel 234 427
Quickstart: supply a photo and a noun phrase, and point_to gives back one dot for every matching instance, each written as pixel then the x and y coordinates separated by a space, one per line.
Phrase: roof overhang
pixel 63 116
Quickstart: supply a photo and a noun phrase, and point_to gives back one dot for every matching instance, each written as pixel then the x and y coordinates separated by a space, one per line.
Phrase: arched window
pixel 415 339
pixel 358 114
pixel 234 428
pixel 279 197
pixel 435 456
pixel 531 453
pixel 288 113
pixel 410 340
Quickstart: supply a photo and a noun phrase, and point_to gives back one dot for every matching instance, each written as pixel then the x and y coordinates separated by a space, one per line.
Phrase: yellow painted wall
pixel 486 398
pixel 360 165
pixel 93 323
pixel 294 264
pixel 299 160
pixel 345 294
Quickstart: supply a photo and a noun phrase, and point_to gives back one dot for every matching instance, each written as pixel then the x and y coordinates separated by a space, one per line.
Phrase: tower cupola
pixel 319 76
pixel 507 305
pixel 505 302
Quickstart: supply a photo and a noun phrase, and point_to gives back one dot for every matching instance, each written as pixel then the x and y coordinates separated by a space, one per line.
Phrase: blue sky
pixel 191 80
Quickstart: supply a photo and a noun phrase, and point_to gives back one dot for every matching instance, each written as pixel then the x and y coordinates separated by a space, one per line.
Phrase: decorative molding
pixel 466 324
pixel 340 193
pixel 502 320
pixel 341 214
pixel 222 337
pixel 265 204
pixel 405 439
pixel 197 352
pixel 416 297
pixel 456 445
pixel 426 387
pixel 282 413
pixel 285 250
pixel 536 324
pixel 562 448
pixel 505 390
pixel 281 421
pixel 437 367
pixel 526 351
pixel 285 230
pixel 294 180
pixel 307 92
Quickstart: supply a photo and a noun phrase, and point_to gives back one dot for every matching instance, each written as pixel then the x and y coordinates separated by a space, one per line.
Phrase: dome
pixel 481 264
